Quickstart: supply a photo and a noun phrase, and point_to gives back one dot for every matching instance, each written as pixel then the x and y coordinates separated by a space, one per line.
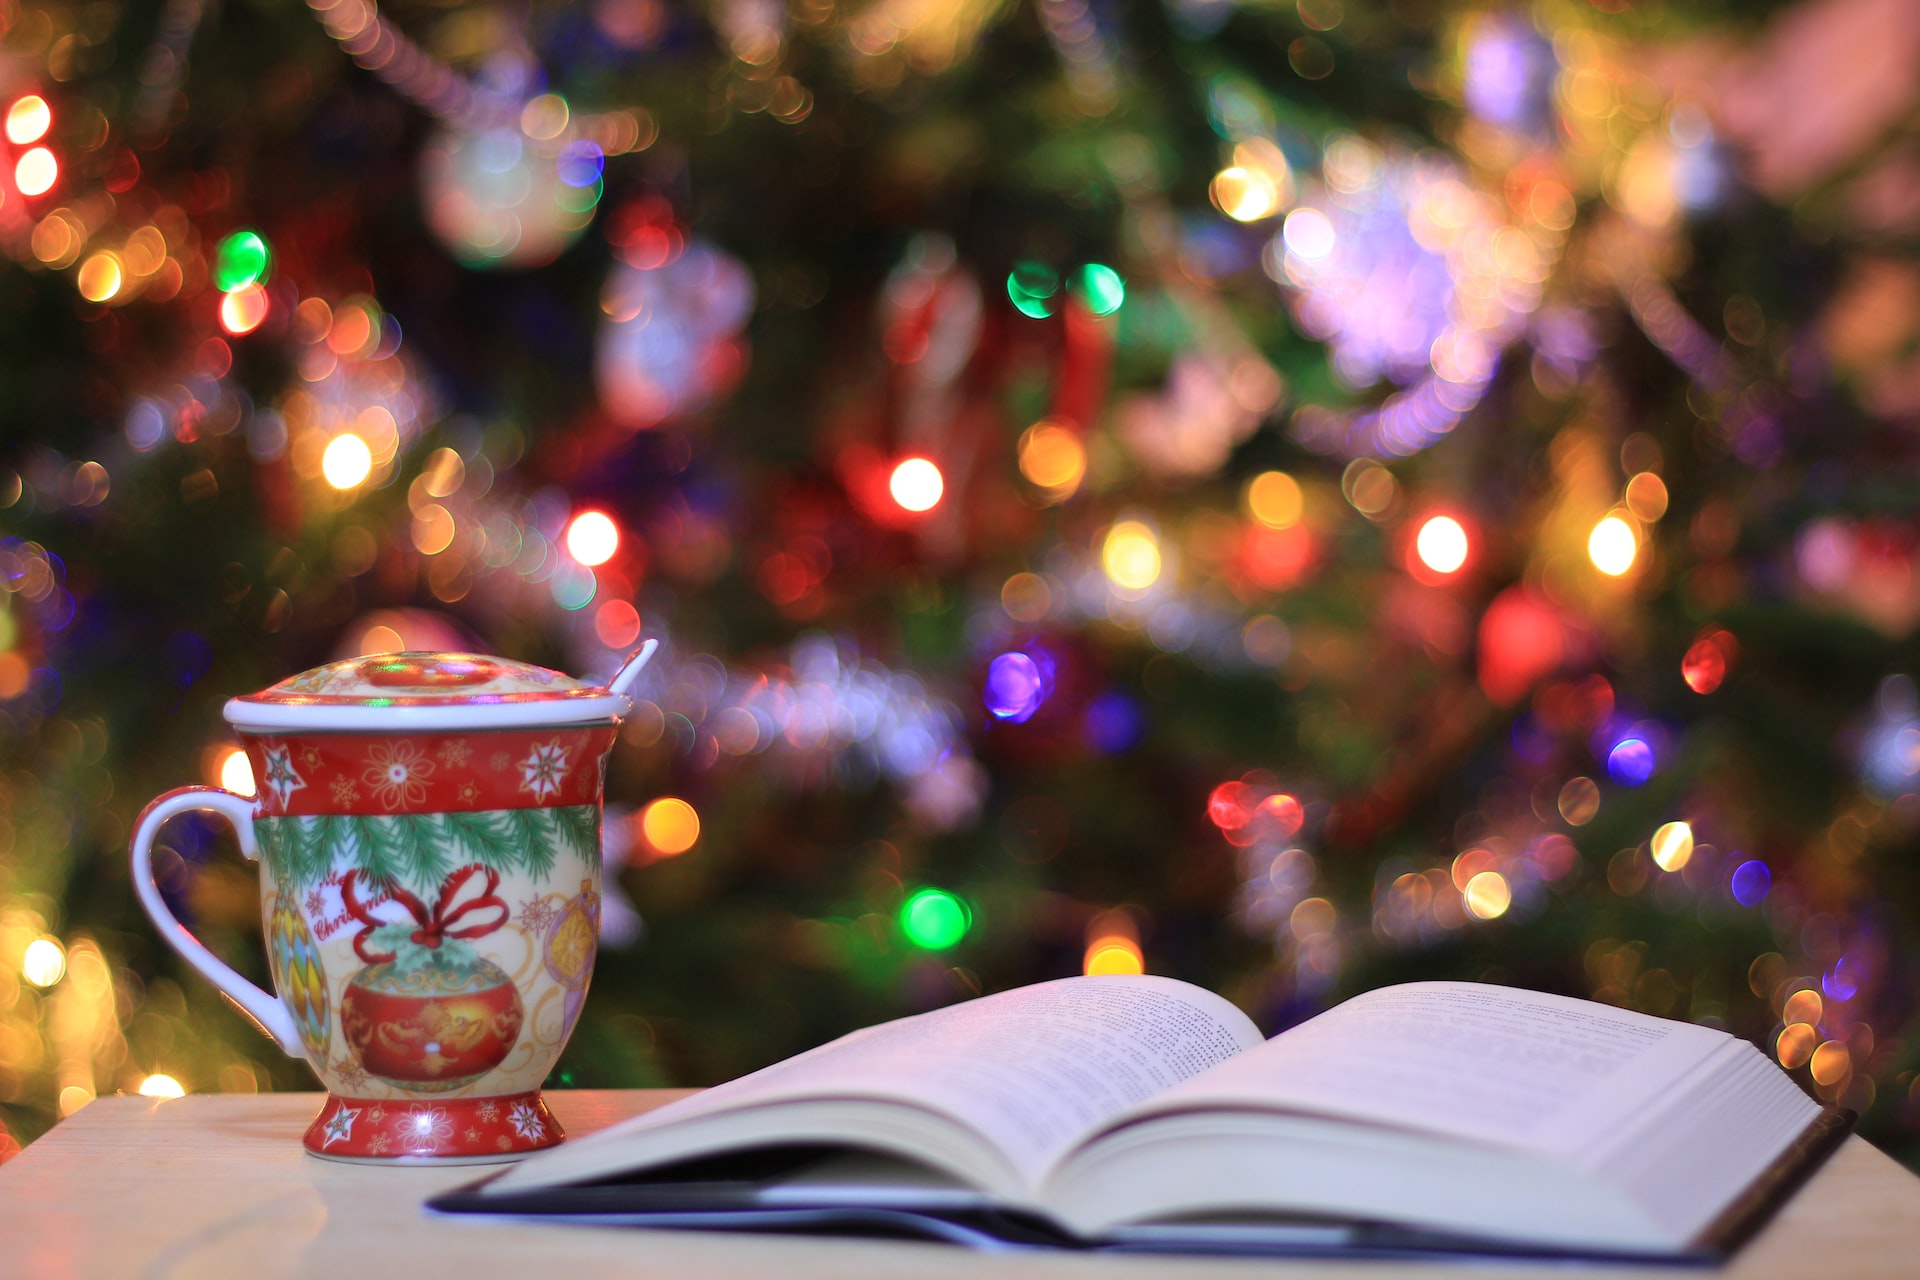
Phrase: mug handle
pixel 267 1012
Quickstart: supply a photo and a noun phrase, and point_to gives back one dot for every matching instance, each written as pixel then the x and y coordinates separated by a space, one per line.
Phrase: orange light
pixel 1114 953
pixel 36 172
pixel 670 825
pixel 593 537
pixel 917 485
pixel 1442 545
pixel 243 310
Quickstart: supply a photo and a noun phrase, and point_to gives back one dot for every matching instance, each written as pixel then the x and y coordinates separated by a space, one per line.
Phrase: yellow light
pixel 236 773
pixel 44 962
pixel 670 825
pixel 28 120
pixel 1131 556
pixel 347 461
pixel 74 1097
pixel 1672 845
pixel 36 172
pixel 1613 546
pixel 1114 954
pixel 1487 896
pixel 917 485
pixel 593 537
pixel 1052 457
pixel 1245 194
pixel 161 1086
pixel 1442 544
pixel 100 277
pixel 243 310
pixel 1275 500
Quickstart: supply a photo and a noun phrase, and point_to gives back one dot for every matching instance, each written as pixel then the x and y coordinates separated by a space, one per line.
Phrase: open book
pixel 1144 1113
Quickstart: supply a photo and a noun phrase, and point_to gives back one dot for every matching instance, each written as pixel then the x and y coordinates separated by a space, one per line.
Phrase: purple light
pixel 1630 763
pixel 1750 882
pixel 1842 982
pixel 1113 723
pixel 1016 686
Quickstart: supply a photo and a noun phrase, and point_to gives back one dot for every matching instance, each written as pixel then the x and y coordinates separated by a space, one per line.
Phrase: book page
pixel 1031 1070
pixel 1493 1064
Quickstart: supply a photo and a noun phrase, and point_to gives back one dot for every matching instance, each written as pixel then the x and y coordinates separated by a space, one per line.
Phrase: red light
pixel 1708 659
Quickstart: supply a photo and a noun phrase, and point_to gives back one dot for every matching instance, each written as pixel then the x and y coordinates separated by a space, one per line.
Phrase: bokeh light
pixel 1052 457
pixel 671 826
pixel 1708 659
pixel 1017 685
pixel 1308 234
pixel 1274 499
pixel 1750 882
pixel 28 120
pixel 1613 546
pixel 1113 953
pixel 240 259
pixel 934 919
pixel 244 310
pixel 347 462
pixel 592 537
pixel 1031 287
pixel 1630 763
pixel 1672 846
pixel 1130 556
pixel 617 624
pixel 159 1085
pixel 44 962
pixel 100 277
pixel 1245 194
pixel 1442 544
pixel 1100 287
pixel 1487 895
pixel 236 773
pixel 36 172
pixel 1579 801
pixel 1795 1044
pixel 916 485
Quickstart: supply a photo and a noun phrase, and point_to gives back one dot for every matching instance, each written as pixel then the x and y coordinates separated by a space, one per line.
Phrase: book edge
pixel 1774 1185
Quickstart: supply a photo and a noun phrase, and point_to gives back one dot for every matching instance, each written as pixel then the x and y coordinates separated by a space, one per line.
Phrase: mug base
pixel 483 1130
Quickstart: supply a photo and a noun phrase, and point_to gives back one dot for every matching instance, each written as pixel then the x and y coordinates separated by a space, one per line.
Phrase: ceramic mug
pixel 428 832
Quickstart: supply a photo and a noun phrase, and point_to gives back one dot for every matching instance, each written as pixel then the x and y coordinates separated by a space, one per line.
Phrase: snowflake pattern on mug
pixel 397 771
pixel 527 1122
pixel 544 769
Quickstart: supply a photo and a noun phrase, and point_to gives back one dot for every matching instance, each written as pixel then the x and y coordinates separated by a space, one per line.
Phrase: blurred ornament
pixel 1523 639
pixel 670 342
pixel 497 197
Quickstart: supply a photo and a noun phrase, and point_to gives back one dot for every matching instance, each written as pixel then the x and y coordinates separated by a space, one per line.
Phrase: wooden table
pixel 217 1185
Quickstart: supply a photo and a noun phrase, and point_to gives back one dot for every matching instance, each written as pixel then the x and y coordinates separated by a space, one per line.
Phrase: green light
pixel 935 919
pixel 1029 285
pixel 1101 288
pixel 240 260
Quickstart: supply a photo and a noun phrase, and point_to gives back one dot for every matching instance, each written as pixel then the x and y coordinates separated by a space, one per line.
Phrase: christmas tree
pixel 1292 496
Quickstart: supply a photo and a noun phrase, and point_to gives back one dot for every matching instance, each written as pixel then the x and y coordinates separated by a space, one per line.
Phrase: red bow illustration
pixel 436 925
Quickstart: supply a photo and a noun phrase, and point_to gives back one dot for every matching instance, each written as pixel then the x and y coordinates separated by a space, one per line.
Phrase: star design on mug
pixel 281 779
pixel 527 1122
pixel 340 1126
pixel 544 770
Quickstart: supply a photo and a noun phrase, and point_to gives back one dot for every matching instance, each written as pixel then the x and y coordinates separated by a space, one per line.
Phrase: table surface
pixel 216 1185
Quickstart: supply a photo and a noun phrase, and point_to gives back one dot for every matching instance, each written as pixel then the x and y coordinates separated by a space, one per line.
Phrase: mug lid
pixel 417 690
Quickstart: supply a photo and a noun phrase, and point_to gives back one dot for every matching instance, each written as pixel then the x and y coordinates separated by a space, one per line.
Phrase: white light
pixel 1442 544
pixel 236 773
pixel 347 462
pixel 1613 546
pixel 1308 234
pixel 917 485
pixel 43 963
pixel 161 1086
pixel 593 537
